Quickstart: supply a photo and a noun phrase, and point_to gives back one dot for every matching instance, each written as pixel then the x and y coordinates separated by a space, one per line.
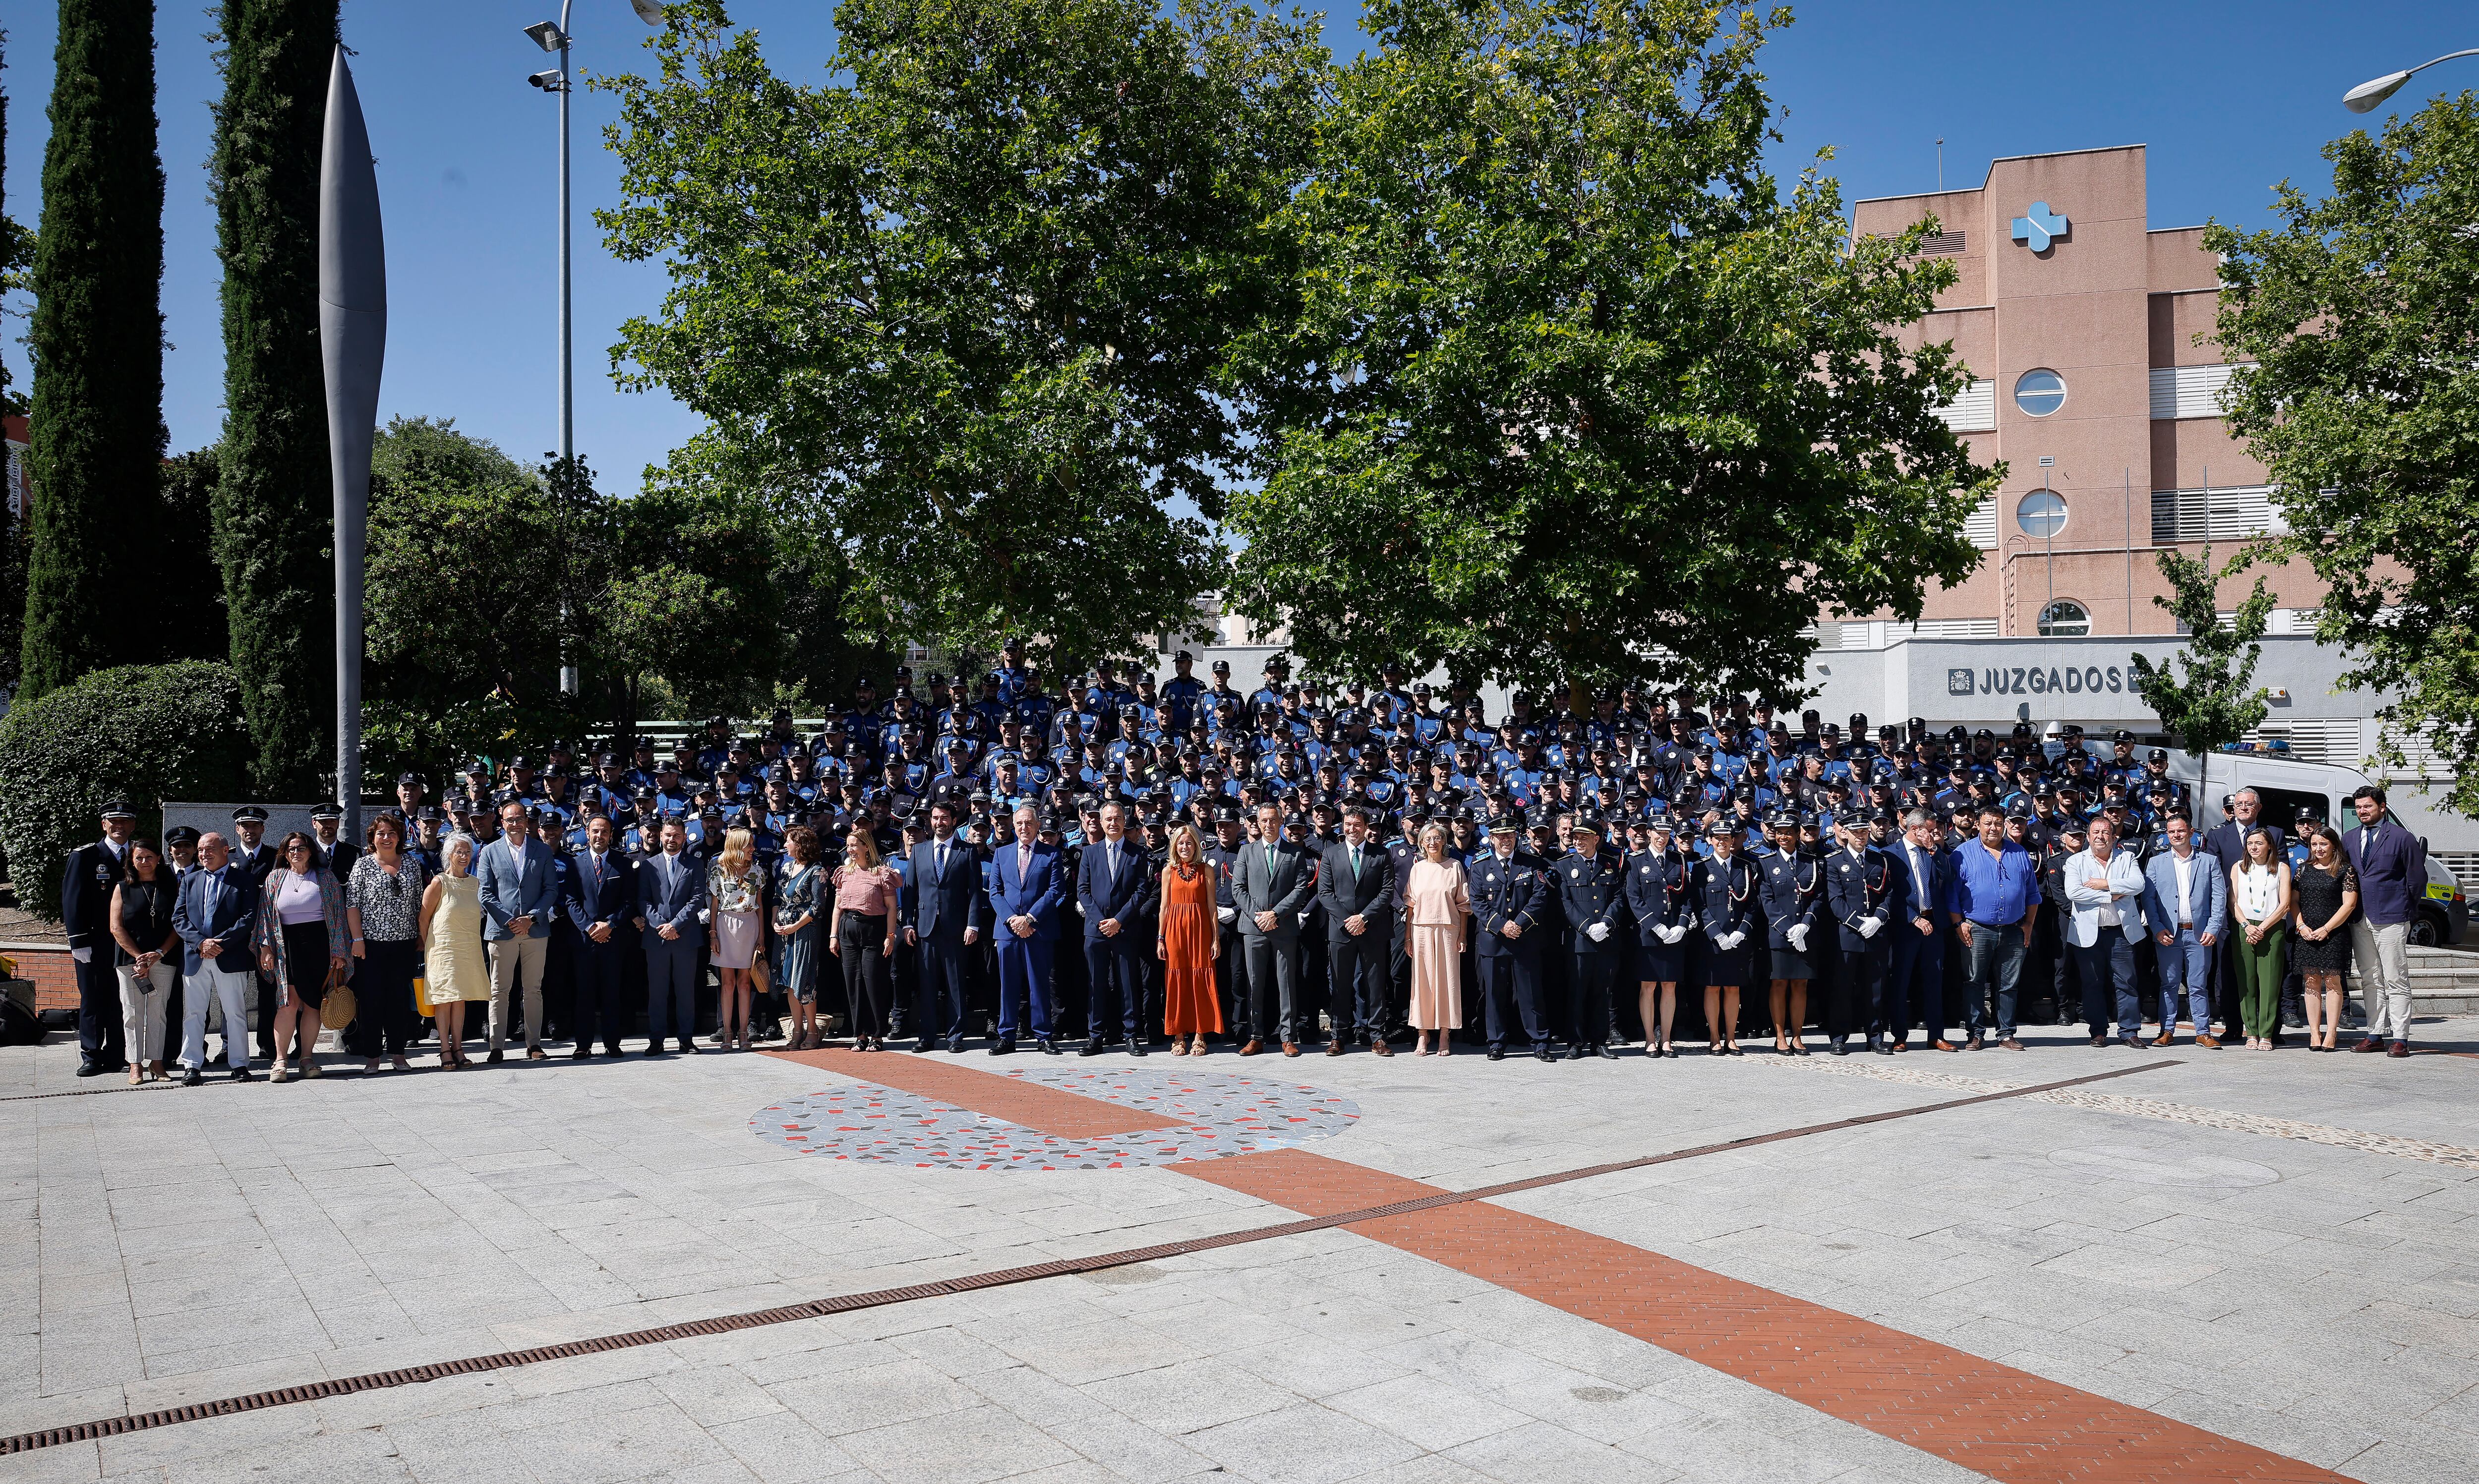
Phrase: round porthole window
pixel 2041 514
pixel 2039 392
pixel 2065 618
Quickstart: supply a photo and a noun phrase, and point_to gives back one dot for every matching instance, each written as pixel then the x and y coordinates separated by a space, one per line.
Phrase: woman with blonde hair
pixel 1438 899
pixel 302 933
pixel 1190 940
pixel 737 894
pixel 868 894
pixel 452 964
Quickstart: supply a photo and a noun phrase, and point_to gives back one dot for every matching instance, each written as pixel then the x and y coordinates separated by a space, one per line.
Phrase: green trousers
pixel 2259 969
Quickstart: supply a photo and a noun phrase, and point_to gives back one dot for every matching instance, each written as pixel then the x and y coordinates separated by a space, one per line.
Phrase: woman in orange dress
pixel 1439 900
pixel 1190 942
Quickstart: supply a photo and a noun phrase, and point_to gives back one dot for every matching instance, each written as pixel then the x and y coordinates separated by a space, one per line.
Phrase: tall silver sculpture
pixel 352 340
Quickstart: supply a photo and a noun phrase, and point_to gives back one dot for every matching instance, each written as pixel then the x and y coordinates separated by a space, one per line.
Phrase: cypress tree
pixel 274 521
pixel 96 341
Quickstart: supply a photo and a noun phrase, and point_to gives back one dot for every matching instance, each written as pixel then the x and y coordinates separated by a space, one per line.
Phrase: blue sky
pixel 2230 97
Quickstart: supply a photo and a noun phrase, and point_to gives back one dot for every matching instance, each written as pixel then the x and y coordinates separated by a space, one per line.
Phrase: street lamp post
pixel 553 37
pixel 2376 90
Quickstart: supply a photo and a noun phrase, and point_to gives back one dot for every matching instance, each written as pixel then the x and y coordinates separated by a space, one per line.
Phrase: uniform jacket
pixel 1374 894
pixel 1868 885
pixel 1792 887
pixel 86 878
pixel 1725 896
pixel 1590 891
pixel 1503 891
pixel 1656 893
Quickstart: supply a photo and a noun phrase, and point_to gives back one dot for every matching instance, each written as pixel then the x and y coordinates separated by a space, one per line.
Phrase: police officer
pixel 1591 888
pixel 1658 881
pixel 1860 895
pixel 88 879
pixel 1724 889
pixel 1506 897
pixel 1790 886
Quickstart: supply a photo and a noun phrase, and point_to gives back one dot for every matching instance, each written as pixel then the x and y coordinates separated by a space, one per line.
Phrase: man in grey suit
pixel 1272 883
pixel 520 890
pixel 1356 887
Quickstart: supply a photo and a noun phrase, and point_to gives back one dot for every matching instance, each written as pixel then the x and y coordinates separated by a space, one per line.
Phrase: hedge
pixel 145 732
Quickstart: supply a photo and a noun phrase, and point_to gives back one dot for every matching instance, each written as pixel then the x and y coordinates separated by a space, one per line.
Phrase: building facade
pixel 2088 333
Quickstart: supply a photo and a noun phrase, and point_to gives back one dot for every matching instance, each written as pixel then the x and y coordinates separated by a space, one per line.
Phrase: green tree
pixel 17 250
pixel 1575 392
pixel 192 593
pixel 96 342
pixel 2358 313
pixel 964 307
pixel 274 512
pixel 2217 702
pixel 694 602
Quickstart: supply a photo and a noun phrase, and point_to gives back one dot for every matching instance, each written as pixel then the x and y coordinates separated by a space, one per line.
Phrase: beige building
pixel 2087 335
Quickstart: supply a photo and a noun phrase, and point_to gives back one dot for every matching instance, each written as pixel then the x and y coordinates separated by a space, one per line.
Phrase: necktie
pixel 942 859
pixel 1355 862
pixel 1023 863
pixel 1919 881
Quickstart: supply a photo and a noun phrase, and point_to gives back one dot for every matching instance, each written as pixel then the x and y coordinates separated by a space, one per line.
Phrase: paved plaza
pixel 2227 1265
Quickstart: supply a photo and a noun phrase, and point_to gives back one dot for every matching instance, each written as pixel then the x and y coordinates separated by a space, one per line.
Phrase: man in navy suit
pixel 1355 884
pixel 1923 883
pixel 602 898
pixel 948 907
pixel 670 892
pixel 1028 880
pixel 519 897
pixel 1114 890
pixel 213 915
pixel 86 882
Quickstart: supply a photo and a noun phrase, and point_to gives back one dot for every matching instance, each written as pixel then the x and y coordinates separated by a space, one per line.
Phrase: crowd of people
pixel 1134 864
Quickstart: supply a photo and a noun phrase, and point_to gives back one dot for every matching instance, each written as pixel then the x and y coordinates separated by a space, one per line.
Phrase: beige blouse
pixel 1437 895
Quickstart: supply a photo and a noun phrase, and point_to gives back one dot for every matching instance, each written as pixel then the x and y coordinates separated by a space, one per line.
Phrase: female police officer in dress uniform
pixel 1792 881
pixel 1724 897
pixel 1658 881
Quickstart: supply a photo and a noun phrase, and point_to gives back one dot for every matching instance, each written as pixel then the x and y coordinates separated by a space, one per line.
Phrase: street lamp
pixel 2367 94
pixel 553 37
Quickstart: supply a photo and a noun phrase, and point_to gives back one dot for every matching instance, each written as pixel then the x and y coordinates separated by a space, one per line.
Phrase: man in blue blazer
pixel 2186 895
pixel 213 915
pixel 1028 880
pixel 944 918
pixel 520 896
pixel 602 900
pixel 1116 892
pixel 670 892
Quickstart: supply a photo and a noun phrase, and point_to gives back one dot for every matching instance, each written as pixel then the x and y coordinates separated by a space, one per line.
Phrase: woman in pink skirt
pixel 1439 900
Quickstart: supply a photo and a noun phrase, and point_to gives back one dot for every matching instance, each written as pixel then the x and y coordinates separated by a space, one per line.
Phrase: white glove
pixel 1598 932
pixel 1670 935
pixel 1304 920
pixel 1227 914
pixel 1728 941
pixel 82 955
pixel 1080 909
pixel 1870 927
pixel 1797 933
pixel 706 914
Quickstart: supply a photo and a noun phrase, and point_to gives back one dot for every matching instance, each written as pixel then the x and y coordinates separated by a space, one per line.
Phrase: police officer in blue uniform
pixel 1507 933
pixel 1727 914
pixel 1791 884
pixel 1657 880
pixel 1862 899
pixel 1590 887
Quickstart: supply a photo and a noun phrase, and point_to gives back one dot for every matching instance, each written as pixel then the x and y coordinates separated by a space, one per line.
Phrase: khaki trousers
pixel 514 960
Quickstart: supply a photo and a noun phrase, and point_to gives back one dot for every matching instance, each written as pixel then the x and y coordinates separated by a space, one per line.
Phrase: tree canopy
pixel 2216 702
pixel 966 306
pixel 2358 313
pixel 1577 390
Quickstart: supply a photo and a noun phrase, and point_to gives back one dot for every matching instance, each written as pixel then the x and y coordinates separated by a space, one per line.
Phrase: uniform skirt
pixel 1728 967
pixel 1657 961
pixel 1791 964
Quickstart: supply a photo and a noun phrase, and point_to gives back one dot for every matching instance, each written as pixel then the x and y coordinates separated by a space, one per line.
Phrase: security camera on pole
pixel 553 37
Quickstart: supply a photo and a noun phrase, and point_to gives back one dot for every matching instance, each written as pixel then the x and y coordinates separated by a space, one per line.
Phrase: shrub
pixel 145 732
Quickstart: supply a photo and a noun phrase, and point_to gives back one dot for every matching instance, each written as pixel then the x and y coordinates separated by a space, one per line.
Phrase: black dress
pixel 2319 896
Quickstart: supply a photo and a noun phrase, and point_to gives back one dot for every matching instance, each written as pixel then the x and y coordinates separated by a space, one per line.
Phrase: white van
pixel 2286 785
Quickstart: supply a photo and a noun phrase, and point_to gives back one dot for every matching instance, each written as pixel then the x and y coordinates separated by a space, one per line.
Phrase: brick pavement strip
pixel 1028 1104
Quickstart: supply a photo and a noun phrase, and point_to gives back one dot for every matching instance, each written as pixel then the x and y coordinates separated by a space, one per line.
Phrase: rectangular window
pixel 2189 391
pixel 1973 410
pixel 1979 527
pixel 2228 514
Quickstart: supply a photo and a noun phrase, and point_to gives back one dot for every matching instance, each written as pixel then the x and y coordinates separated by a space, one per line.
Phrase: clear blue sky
pixel 2231 98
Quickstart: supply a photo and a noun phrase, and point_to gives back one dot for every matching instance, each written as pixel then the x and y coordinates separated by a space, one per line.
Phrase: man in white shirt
pixel 2106 889
pixel 519 892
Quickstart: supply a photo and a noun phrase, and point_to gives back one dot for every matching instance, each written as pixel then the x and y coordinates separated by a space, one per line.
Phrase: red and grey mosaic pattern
pixel 1208 1115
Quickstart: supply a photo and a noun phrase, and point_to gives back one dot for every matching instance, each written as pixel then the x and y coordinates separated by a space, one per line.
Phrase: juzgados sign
pixel 2040 680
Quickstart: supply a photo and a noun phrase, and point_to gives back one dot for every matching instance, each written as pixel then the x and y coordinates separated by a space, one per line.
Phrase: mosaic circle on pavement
pixel 1218 1116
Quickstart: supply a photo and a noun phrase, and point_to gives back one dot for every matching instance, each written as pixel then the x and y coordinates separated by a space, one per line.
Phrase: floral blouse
pixel 743 893
pixel 390 905
pixel 797 895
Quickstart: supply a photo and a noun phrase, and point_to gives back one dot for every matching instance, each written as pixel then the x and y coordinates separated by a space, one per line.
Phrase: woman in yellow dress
pixel 451 945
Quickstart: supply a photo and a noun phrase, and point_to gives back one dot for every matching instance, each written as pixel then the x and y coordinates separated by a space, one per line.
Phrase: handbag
pixel 339 1004
pixel 421 994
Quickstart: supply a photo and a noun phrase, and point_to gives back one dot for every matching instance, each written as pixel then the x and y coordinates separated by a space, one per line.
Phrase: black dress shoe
pixel 192 1076
pixel 1497 1054
pixel 955 1047
pixel 1003 1046
pixel 1575 1052
pixel 581 1054
pixel 1542 1053
pixel 496 1055
pixel 1601 1049
pixel 241 1074
pixel 925 1043
pixel 1050 1048
pixel 1842 1045
pixel 1135 1047
pixel 1095 1047
pixel 89 1068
